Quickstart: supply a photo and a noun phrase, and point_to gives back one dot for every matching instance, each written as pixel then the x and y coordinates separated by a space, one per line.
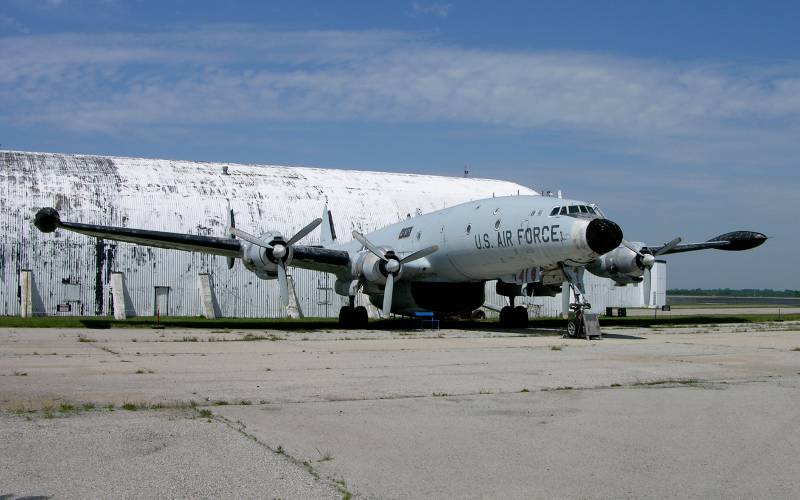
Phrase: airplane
pixel 438 262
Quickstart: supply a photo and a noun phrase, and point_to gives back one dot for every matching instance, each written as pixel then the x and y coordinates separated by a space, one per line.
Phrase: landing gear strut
pixel 353 317
pixel 580 324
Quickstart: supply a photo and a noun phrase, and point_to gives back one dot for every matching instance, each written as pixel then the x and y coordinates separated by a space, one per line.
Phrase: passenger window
pixel 563 211
pixel 583 209
pixel 554 211
pixel 573 209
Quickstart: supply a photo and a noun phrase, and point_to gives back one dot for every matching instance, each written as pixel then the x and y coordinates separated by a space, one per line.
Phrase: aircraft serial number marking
pixel 530 236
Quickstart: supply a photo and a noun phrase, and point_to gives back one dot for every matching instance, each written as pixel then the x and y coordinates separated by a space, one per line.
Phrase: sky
pixel 678 118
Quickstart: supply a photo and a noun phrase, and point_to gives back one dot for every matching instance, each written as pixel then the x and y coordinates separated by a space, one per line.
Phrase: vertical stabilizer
pixel 327 232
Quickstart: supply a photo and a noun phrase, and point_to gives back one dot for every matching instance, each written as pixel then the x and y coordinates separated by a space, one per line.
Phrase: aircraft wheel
pixel 520 316
pixel 572 329
pixel 506 316
pixel 360 317
pixel 346 317
pixel 478 314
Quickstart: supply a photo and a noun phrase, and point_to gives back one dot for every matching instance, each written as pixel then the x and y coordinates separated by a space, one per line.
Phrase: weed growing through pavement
pixel 82 338
pixel 555 347
pixel 667 381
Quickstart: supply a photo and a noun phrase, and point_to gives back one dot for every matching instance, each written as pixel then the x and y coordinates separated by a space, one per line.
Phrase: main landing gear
pixel 514 317
pixel 353 317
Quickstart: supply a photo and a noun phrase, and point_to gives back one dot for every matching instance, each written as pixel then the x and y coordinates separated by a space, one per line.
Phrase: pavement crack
pixel 336 483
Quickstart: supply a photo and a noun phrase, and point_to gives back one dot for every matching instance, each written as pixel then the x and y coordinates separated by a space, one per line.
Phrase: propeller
pixel 391 265
pixel 646 261
pixel 231 224
pixel 278 251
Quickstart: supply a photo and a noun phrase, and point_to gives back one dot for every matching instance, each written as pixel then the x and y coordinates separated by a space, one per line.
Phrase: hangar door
pixel 161 302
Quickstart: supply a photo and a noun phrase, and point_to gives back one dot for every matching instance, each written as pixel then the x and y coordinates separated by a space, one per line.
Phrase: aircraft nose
pixel 603 235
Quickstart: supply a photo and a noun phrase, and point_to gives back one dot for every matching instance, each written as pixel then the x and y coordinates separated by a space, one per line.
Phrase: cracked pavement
pixel 647 413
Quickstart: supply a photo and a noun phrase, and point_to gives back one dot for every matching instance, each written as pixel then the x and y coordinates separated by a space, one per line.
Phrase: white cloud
pixel 436 9
pixel 234 74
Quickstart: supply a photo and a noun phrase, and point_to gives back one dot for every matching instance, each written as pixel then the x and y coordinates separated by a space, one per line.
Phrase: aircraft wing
pixel 48 220
pixel 733 241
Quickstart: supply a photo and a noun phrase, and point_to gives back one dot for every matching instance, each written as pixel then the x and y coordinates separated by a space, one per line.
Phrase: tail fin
pixel 327 232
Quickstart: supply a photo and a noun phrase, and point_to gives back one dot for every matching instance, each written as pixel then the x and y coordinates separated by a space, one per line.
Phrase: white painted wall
pixel 193 197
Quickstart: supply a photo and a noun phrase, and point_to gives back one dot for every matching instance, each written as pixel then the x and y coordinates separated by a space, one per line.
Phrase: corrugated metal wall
pixel 193 197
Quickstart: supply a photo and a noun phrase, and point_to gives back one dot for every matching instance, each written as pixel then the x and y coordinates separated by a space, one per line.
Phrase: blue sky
pixel 679 118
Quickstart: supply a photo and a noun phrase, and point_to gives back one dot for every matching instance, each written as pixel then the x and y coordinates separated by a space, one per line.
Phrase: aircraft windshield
pixel 579 211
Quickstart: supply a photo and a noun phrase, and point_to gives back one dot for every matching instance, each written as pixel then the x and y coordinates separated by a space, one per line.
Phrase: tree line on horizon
pixel 730 292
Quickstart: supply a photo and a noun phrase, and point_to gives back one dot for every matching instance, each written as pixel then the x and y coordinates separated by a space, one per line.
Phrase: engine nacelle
pixel 260 261
pixel 372 269
pixel 621 261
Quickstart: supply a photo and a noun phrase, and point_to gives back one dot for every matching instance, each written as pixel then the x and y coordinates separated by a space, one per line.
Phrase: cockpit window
pixel 563 211
pixel 573 209
pixel 554 211
pixel 591 210
pixel 583 209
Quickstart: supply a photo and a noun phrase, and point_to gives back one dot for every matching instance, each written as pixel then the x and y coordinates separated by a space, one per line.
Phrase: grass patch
pixel 484 391
pixel 205 413
pixel 189 339
pixel 220 403
pixel 616 385
pixel 130 407
pixel 66 408
pixel 796 348
pixel 279 450
pixel 555 347
pixel 308 324
pixel 341 486
pixel 20 374
pixel 82 338
pixel 524 389
pixel 245 402
pixel 440 394
pixel 559 388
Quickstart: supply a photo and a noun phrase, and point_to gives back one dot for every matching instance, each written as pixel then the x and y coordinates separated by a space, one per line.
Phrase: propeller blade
pixel 283 283
pixel 387 295
pixel 669 246
pixel 646 286
pixel 248 237
pixel 303 232
pixel 231 223
pixel 419 254
pixel 632 248
pixel 368 245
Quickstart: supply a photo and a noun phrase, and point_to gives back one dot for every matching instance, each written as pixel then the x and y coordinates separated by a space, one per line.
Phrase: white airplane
pixel 439 262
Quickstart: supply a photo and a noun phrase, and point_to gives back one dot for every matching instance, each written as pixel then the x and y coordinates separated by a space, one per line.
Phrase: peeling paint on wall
pixel 193 197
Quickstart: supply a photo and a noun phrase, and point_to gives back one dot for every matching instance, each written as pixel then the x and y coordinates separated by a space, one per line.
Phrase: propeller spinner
pixel 646 261
pixel 278 252
pixel 391 265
